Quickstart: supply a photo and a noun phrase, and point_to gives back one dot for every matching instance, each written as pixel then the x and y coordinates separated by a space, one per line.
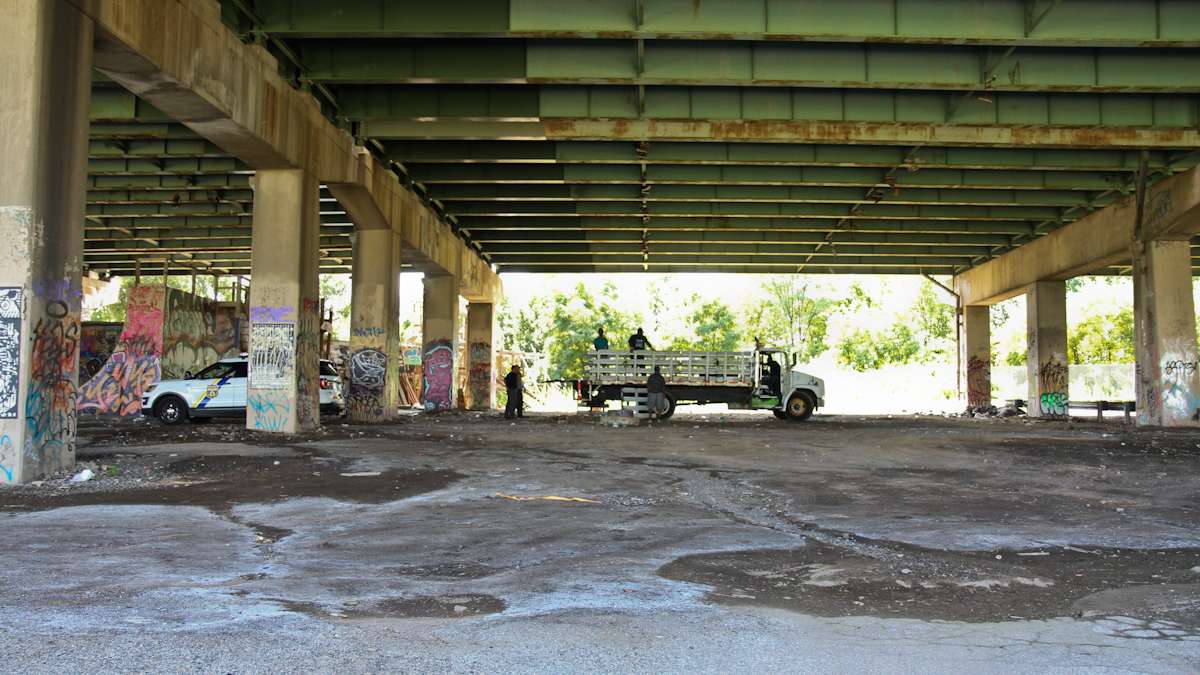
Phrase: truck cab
pixel 790 394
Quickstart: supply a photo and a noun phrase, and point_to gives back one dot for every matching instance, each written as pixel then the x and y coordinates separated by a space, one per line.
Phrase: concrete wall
pixel 196 332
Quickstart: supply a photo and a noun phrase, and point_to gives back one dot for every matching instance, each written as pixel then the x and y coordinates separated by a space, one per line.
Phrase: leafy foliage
pixel 864 350
pixel 711 326
pixel 1102 338
pixel 793 316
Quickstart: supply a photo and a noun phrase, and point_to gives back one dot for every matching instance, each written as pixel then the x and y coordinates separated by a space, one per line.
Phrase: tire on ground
pixel 171 410
pixel 801 406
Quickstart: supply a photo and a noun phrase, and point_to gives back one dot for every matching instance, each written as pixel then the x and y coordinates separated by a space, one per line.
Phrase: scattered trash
pixel 459 609
pixel 549 498
pixel 362 474
pixel 83 476
pixel 276 462
pixel 1078 550
pixel 1034 553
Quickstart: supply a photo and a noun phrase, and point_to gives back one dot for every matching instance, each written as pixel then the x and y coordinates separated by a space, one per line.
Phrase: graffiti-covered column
pixel 481 357
pixel 374 327
pixel 439 333
pixel 283 394
pixel 977 355
pixel 1168 391
pixel 1046 328
pixel 45 88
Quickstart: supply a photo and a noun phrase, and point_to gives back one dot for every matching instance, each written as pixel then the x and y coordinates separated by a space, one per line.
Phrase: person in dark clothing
pixel 656 393
pixel 774 375
pixel 601 342
pixel 515 407
pixel 639 342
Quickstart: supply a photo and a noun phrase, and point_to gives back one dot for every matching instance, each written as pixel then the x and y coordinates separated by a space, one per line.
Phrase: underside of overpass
pixel 1009 143
pixel 672 136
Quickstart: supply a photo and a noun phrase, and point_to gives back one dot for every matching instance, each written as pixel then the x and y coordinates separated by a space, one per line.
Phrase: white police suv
pixel 220 391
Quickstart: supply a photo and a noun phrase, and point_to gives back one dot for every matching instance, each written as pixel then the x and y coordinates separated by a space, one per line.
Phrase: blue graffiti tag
pixel 7 454
pixel 269 414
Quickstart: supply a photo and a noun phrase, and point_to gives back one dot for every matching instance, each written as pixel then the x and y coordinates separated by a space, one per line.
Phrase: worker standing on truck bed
pixel 656 393
pixel 515 407
pixel 601 342
pixel 639 342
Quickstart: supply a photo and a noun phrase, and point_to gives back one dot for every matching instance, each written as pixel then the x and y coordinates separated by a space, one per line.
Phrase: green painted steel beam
pixel 152 148
pixel 1071 23
pixel 388 112
pixel 703 224
pixel 516 174
pixel 776 154
pixel 213 181
pixel 173 165
pixel 750 64
pixel 214 195
pixel 748 260
pixel 112 103
pixel 449 195
pixel 499 252
pixel 154 210
pixel 753 210
pixel 144 229
pixel 488 238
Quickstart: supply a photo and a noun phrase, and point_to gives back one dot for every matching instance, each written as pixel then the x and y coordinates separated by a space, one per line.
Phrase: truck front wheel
pixel 801 406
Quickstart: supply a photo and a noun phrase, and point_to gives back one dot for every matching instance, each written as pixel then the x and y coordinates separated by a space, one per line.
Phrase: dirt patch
pixel 220 482
pixel 423 606
pixel 918 583
pixel 450 570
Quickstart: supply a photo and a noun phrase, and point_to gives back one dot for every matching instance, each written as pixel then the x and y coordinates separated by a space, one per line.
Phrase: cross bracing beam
pixel 169 165
pixel 490 238
pixel 1072 23
pixel 749 64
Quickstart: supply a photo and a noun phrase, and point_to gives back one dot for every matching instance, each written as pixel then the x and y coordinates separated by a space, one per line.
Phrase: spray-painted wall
pixel 196 333
pixel 167 333
pixel 97 342
pixel 136 362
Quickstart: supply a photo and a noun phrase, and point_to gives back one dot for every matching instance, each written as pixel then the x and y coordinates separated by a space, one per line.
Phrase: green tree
pixel 1102 338
pixel 792 316
pixel 935 323
pixel 711 326
pixel 865 350
pixel 563 325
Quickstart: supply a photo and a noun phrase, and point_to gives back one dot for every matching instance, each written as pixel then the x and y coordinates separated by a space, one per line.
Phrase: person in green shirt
pixel 601 342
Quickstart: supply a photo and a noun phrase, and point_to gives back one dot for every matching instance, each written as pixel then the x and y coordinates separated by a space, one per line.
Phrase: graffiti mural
pixel 270 411
pixel 136 362
pixel 97 342
pixel 979 382
pixel 10 351
pixel 50 401
pixel 308 355
pixel 196 333
pixel 8 459
pixel 438 376
pixel 368 384
pixel 1052 385
pixel 479 378
pixel 272 355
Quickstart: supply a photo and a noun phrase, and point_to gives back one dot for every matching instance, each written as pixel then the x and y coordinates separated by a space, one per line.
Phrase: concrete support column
pixel 1046 327
pixel 374 327
pixel 481 356
pixel 285 326
pixel 1168 390
pixel 977 355
pixel 45 90
pixel 440 332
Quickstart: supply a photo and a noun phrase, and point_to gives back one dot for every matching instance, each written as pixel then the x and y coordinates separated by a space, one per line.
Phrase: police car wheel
pixel 171 410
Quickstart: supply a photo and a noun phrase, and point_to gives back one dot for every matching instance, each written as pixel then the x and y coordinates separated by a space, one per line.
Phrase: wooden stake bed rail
pixel 732 369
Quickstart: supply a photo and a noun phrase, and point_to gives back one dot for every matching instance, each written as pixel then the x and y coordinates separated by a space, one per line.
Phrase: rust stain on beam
pixel 989 135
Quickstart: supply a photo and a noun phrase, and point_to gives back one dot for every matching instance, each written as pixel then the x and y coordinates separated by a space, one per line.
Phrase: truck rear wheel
pixel 801 406
pixel 670 409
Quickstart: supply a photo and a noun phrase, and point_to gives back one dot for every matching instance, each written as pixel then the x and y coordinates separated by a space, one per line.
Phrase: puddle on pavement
pixel 917 583
pixel 452 570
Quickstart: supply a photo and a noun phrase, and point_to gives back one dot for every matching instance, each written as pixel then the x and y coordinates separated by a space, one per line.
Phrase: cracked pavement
pixel 727 543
